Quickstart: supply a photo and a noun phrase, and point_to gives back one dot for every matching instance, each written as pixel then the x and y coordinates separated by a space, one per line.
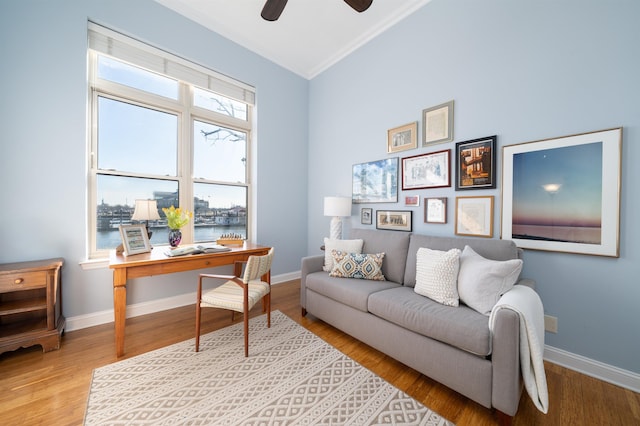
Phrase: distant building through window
pixel 168 130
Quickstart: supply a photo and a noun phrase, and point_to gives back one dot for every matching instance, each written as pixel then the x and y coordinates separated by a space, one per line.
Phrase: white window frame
pixel 105 42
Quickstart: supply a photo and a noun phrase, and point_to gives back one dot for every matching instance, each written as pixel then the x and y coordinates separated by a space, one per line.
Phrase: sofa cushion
pixel 482 281
pixel 395 244
pixel 348 246
pixel 488 248
pixel 357 265
pixel 437 275
pixel 461 327
pixel 352 292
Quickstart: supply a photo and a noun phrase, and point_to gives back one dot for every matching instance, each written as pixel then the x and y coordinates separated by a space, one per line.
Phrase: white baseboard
pixel 104 317
pixel 617 376
pixel 605 372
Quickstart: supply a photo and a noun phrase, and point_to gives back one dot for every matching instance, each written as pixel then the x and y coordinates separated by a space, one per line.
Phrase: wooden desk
pixel 156 263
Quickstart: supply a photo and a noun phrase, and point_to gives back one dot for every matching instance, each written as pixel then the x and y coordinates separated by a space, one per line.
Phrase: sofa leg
pixel 304 312
pixel 503 419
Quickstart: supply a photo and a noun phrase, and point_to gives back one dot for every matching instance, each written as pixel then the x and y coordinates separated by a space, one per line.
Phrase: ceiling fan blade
pixel 359 5
pixel 272 9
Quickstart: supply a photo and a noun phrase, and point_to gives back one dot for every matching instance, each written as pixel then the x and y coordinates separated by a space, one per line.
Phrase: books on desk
pixel 202 248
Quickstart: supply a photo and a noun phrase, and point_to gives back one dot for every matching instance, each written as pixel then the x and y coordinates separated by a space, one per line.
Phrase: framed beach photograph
pixel 375 182
pixel 402 138
pixel 476 164
pixel 394 220
pixel 563 194
pixel 435 210
pixel 427 170
pixel 134 239
pixel 437 124
pixel 366 216
pixel 474 216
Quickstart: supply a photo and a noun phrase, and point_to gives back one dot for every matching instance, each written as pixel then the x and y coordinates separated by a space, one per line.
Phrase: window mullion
pixel 185 163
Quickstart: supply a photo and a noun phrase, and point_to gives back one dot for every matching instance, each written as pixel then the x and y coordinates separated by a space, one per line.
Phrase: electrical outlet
pixel 550 324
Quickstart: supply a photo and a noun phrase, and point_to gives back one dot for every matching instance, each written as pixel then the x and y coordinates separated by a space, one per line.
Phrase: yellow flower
pixel 177 218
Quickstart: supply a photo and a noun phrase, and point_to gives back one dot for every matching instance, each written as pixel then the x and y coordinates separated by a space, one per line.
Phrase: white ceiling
pixel 309 37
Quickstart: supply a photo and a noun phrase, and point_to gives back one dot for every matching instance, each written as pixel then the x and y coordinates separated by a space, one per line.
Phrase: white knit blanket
pixel 526 302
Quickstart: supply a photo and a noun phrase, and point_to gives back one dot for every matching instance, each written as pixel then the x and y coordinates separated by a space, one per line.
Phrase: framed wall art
pixel 437 124
pixel 366 216
pixel 134 239
pixel 375 182
pixel 474 216
pixel 402 138
pixel 412 200
pixel 435 210
pixel 427 170
pixel 563 194
pixel 394 220
pixel 476 164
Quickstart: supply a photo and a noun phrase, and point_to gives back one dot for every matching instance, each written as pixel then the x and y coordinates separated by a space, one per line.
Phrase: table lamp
pixel 146 210
pixel 337 207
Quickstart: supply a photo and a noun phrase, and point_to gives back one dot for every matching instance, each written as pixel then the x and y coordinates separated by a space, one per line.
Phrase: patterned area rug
pixel 290 377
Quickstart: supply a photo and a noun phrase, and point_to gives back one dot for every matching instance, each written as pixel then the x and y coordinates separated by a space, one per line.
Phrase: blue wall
pixel 525 71
pixel 522 70
pixel 44 145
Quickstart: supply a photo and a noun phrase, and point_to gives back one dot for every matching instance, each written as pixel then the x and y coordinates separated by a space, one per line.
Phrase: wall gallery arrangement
pixel 553 191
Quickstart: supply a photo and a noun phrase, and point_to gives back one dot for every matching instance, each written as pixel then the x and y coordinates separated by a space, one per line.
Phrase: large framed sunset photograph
pixel 563 194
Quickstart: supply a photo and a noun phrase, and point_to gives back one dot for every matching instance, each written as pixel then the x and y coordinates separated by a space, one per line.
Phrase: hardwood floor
pixel 52 388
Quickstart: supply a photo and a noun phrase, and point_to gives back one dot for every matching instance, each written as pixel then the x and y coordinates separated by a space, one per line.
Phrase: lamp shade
pixel 337 206
pixel 146 210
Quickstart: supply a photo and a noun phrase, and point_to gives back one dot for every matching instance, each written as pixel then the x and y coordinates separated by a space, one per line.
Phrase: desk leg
pixel 120 307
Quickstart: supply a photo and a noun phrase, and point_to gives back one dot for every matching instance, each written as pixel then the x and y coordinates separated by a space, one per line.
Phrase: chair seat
pixel 231 296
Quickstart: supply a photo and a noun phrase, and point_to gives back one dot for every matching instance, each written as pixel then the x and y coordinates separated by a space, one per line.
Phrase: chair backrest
pixel 257 266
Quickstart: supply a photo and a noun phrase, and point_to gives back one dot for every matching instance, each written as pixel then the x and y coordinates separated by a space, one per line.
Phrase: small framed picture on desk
pixel 134 239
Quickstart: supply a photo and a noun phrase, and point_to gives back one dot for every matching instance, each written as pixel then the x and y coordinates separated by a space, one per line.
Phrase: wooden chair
pixel 239 294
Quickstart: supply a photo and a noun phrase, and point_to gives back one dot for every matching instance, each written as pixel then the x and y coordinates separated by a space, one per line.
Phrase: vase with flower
pixel 176 219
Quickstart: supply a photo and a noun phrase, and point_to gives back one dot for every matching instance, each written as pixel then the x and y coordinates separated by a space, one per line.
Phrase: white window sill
pixel 89 264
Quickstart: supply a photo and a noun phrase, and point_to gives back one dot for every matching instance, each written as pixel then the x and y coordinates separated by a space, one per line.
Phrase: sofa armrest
pixel 505 359
pixel 310 264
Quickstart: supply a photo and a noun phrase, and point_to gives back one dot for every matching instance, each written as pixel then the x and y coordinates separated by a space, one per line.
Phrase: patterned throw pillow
pixel 437 275
pixel 356 265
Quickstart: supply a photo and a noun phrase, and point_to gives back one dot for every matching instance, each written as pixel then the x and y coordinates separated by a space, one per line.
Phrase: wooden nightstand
pixel 31 305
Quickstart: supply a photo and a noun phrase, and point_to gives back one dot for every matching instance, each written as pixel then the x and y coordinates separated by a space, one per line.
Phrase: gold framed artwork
pixel 563 194
pixel 402 138
pixel 474 216
pixel 437 124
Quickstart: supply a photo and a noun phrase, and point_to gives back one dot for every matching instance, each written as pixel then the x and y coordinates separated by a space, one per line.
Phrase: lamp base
pixel 336 228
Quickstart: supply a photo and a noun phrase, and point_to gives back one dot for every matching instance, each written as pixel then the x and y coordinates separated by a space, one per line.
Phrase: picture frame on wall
pixel 394 220
pixel 563 194
pixel 366 216
pixel 402 138
pixel 430 170
pixel 476 163
pixel 375 181
pixel 435 210
pixel 134 239
pixel 474 216
pixel 412 200
pixel 437 124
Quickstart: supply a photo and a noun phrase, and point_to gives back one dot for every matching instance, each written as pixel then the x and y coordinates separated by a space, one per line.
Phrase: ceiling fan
pixel 273 8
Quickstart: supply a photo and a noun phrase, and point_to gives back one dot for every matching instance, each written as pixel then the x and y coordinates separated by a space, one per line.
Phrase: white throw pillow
pixel 482 281
pixel 437 275
pixel 347 246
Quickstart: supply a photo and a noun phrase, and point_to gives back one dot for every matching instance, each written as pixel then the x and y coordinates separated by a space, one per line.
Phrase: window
pixel 168 130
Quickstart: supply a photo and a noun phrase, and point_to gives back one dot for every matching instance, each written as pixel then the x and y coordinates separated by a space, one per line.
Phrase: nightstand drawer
pixel 24 280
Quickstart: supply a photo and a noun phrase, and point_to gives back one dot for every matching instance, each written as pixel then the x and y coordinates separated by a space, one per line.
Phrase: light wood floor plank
pixel 52 388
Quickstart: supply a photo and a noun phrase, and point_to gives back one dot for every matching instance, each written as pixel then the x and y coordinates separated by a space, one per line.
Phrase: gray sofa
pixel 452 345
